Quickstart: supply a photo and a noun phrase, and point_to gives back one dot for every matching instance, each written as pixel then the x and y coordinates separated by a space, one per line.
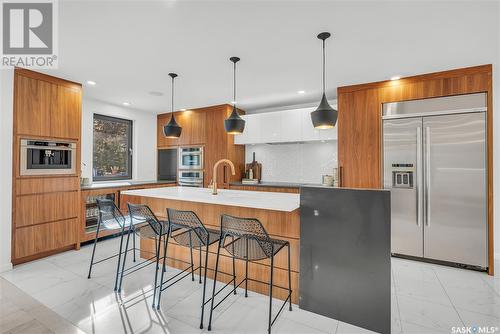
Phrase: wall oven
pixel 190 178
pixel 190 158
pixel 44 157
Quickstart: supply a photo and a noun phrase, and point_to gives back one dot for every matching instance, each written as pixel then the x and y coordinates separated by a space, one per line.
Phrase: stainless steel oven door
pixel 191 158
pixel 190 178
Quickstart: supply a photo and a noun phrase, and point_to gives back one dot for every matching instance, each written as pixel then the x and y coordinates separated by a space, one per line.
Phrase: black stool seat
pixel 190 238
pixel 253 248
pixel 146 231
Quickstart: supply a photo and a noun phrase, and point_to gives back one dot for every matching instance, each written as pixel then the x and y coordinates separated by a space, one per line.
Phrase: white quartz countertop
pixel 242 198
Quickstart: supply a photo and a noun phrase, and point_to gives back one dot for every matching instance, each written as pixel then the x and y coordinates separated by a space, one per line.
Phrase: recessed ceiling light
pixel 91 83
pixel 396 77
pixel 301 91
pixel 183 109
pixel 154 93
pixel 126 104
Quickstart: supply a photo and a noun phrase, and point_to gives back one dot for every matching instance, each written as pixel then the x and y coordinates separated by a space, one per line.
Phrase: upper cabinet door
pixel 65 121
pixel 197 122
pixel 291 125
pixel 251 134
pixel 33 102
pixel 161 140
pixel 270 127
pixel 309 133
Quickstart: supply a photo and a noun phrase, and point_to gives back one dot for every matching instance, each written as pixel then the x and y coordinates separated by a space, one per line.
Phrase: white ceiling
pixel 129 47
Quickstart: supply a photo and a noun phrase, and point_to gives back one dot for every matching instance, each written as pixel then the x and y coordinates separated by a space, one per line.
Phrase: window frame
pixel 130 123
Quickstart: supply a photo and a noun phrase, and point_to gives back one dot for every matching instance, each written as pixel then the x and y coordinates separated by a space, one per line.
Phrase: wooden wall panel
pixel 46 185
pixel 360 126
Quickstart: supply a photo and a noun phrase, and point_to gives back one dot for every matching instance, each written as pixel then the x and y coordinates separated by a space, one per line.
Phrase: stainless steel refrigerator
pixel 435 166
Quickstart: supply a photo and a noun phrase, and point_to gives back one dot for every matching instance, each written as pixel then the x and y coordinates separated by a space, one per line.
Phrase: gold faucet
pixel 214 182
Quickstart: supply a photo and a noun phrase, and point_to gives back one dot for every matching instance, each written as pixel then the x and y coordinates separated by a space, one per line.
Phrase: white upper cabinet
pixel 285 126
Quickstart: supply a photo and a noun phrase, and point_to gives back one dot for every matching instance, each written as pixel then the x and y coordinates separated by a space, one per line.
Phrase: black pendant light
pixel 324 117
pixel 234 124
pixel 172 129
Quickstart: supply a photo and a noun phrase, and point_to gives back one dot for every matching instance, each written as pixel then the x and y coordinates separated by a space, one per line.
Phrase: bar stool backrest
pixel 143 213
pixel 189 221
pixel 249 228
pixel 109 212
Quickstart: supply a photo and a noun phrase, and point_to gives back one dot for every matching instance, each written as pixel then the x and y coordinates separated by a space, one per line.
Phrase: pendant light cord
pixel 234 84
pixel 172 108
pixel 323 66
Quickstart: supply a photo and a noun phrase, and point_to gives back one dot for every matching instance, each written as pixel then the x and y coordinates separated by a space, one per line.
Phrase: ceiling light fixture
pixel 172 129
pixel 234 124
pixel 324 117
pixel 183 109
pixel 91 83
pixel 126 104
pixel 396 77
pixel 301 91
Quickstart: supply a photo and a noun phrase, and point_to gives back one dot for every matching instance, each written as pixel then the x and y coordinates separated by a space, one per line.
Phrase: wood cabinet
pixel 360 123
pixel 45 208
pixel 205 127
pixel 193 123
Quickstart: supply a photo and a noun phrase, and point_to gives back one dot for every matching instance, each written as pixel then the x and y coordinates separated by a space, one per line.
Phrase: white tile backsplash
pixel 304 162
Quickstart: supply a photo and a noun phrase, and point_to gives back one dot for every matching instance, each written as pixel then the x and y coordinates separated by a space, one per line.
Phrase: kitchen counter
pixel 276 184
pixel 124 184
pixel 241 198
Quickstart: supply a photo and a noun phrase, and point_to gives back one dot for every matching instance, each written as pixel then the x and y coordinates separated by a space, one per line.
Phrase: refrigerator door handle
pixel 428 176
pixel 419 177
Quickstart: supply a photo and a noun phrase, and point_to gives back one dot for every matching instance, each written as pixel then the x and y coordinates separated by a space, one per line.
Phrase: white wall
pixel 304 163
pixel 6 128
pixel 496 142
pixel 144 137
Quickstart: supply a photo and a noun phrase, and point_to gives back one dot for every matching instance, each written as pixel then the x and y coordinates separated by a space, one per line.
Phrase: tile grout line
pixel 492 288
pixel 397 300
pixel 447 295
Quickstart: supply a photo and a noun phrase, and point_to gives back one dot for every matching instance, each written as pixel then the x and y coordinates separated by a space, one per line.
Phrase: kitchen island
pixel 278 213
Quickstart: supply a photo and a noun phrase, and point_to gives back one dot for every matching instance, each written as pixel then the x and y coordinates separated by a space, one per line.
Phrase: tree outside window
pixel 112 148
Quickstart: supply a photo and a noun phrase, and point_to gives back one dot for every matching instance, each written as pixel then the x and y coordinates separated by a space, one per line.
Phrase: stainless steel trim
pixel 436 106
pixel 435 113
pixel 198 150
pixel 418 174
pixel 427 176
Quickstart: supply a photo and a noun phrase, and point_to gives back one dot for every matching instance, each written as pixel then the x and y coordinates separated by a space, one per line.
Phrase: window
pixel 112 148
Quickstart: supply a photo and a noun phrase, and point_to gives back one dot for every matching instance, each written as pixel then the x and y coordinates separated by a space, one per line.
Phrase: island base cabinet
pixel 179 257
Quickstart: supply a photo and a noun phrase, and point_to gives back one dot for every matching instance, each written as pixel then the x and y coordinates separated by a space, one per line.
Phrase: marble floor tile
pixel 425 298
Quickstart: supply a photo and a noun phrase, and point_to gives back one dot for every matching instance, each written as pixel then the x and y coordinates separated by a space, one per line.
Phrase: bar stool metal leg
pixel 271 293
pixel 93 249
pixel 119 257
pixel 191 251
pixel 157 266
pixel 215 281
pixel 124 258
pixel 234 269
pixel 289 280
pixel 204 286
pixel 133 242
pixel 200 265
pixel 163 268
pixel 246 270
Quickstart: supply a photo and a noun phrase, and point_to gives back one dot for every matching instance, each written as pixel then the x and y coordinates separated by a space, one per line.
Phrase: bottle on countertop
pixel 250 173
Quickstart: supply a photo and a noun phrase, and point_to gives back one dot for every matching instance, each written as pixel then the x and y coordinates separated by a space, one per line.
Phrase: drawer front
pixel 37 239
pixel 43 208
pixel 28 186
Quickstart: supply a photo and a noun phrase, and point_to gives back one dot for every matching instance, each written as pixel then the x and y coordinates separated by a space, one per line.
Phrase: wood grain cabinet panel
pixel 44 238
pixel 33 101
pixel 42 208
pixel 26 186
pixel 65 118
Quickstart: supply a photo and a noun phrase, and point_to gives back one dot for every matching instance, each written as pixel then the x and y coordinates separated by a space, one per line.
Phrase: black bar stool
pixel 152 228
pixel 111 218
pixel 250 242
pixel 187 230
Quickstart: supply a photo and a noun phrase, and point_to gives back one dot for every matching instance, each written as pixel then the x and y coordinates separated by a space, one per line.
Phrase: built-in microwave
pixel 191 158
pixel 43 157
